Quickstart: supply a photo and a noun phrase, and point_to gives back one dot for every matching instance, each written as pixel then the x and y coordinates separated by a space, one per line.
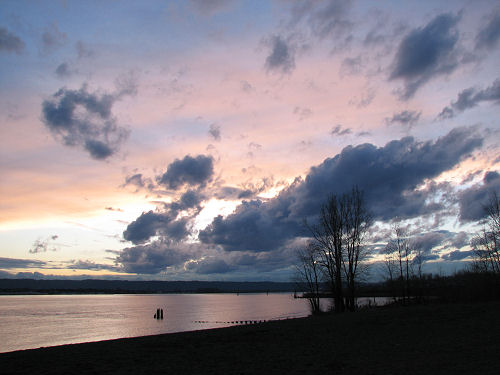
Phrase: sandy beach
pixel 431 339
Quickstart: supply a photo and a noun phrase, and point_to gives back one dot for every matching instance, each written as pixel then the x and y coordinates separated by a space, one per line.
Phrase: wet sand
pixel 430 339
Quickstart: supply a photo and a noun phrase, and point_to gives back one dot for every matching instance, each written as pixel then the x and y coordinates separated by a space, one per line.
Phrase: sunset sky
pixel 189 140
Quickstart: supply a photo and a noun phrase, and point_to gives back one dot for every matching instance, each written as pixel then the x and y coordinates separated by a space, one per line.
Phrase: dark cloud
pixel 90 265
pixel 214 132
pixel 208 266
pixel 10 42
pixel 489 34
pixel 388 175
pixel 405 118
pixel 9 263
pixel 471 97
pixel 426 52
pixel 458 255
pixel 166 222
pixel 339 131
pixel 473 200
pixel 64 70
pixel 427 241
pixel 282 56
pixel 459 240
pixel 52 38
pixel 151 224
pixel 152 258
pixel 191 171
pixel 139 181
pixel 42 246
pixel 83 119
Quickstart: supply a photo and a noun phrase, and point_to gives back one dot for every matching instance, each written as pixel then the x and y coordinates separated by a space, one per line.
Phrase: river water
pixel 32 321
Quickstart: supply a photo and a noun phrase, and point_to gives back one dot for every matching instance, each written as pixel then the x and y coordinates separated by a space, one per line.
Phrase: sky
pixel 191 140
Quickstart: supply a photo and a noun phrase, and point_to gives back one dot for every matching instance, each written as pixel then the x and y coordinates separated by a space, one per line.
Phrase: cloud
pixel 214 132
pixel 337 130
pixel 8 263
pixel 166 222
pixel 83 119
pixel 208 266
pixel 63 70
pixel 139 181
pixel 91 265
pixel 471 97
pixel 209 7
pixel 154 258
pixel 489 34
pixel 325 19
pixel 52 39
pixel 82 50
pixel 303 113
pixel 473 200
pixel 42 246
pixel 388 175
pixel 282 56
pixel 425 53
pixel 10 42
pixel 460 240
pixel 151 223
pixel 351 66
pixel 428 241
pixel 405 118
pixel 458 255
pixel 190 170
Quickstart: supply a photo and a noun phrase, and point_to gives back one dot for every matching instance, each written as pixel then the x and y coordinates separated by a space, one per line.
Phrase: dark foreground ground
pixel 431 339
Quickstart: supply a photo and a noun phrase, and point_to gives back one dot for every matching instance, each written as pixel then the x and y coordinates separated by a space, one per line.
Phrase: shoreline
pixel 419 339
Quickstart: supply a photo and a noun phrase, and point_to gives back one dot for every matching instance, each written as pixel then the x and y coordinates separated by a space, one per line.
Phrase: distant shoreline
pixel 419 339
pixel 96 286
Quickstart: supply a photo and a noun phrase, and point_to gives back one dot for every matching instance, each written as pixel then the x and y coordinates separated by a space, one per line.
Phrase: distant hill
pixel 28 286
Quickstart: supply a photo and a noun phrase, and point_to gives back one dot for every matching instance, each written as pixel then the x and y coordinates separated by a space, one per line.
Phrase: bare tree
pixel 486 245
pixel 357 221
pixel 401 249
pixel 309 275
pixel 339 239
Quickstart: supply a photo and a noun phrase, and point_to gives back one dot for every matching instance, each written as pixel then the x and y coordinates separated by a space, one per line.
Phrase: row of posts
pixel 159 314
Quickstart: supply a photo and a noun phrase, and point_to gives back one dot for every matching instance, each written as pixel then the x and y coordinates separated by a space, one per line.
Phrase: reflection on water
pixel 35 321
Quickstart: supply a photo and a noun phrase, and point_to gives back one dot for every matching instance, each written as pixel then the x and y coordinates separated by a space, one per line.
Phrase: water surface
pixel 32 321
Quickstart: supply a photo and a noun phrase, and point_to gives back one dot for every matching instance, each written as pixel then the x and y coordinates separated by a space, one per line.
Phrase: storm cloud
pixel 10 42
pixel 471 97
pixel 388 175
pixel 165 222
pixel 190 170
pixel 153 258
pixel 426 52
pixel 83 119
pixel 151 223
pixel 473 200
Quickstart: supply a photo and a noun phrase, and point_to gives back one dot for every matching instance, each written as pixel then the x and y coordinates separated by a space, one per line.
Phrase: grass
pixel 425 339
